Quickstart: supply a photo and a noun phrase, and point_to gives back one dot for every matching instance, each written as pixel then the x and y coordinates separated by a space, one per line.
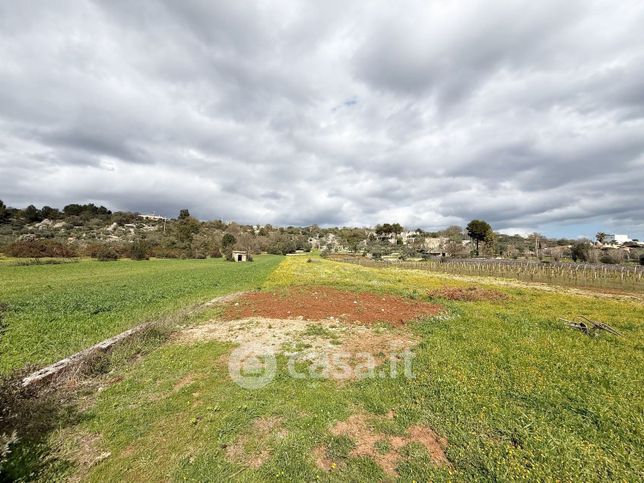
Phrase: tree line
pixel 96 231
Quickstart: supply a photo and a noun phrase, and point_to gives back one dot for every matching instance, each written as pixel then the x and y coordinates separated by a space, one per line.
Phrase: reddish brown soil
pixel 317 303
pixel 359 429
pixel 468 294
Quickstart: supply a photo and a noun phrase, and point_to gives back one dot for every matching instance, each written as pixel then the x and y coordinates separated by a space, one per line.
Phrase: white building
pixel 616 239
pixel 240 256
pixel 152 217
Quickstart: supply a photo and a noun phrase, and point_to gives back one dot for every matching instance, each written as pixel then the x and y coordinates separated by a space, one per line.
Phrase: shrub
pixel 160 252
pixel 216 253
pixel 6 441
pixel 606 258
pixel 641 258
pixel 282 247
pixel 106 254
pixel 39 248
pixel 139 250
pixel 27 414
pixel 581 251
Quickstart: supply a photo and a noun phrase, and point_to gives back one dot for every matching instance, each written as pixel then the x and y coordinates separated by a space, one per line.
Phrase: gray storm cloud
pixel 527 114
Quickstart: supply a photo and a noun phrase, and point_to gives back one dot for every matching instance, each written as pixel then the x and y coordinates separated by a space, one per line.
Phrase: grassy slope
pixel 56 310
pixel 518 396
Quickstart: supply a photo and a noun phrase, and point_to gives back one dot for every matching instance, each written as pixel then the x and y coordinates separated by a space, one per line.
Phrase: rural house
pixel 240 256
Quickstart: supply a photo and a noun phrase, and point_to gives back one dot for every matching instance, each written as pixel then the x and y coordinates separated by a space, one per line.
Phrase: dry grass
pixel 251 449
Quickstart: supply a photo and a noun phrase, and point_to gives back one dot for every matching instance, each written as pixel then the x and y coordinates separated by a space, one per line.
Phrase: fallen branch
pixel 601 325
pixel 577 325
pixel 591 327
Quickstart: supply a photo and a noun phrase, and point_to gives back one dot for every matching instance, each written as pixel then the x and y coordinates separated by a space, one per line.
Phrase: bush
pixel 581 251
pixel 27 415
pixel 160 252
pixel 641 258
pixel 282 247
pixel 216 253
pixel 106 254
pixel 606 258
pixel 139 250
pixel 39 248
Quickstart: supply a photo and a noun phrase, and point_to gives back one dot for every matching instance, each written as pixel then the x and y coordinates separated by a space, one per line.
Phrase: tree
pixel 87 210
pixel 186 228
pixel 479 230
pixel 453 232
pixel 228 240
pixel 489 243
pixel 352 237
pixel 206 243
pixel 50 213
pixel 455 248
pixel 183 214
pixel 3 212
pixel 581 251
pixel 31 213
pixel 536 239
pixel 385 229
pixel 601 237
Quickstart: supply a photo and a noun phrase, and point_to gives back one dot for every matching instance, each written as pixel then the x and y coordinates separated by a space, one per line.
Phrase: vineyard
pixel 568 274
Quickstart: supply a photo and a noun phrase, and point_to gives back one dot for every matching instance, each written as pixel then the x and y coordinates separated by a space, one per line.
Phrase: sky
pixel 528 114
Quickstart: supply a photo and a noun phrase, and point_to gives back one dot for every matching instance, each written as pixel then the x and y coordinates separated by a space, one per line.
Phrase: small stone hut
pixel 240 256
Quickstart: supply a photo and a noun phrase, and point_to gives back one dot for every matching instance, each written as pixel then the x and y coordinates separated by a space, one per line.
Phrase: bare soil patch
pixel 252 449
pixel 308 340
pixel 468 294
pixel 359 429
pixel 317 303
pixel 322 461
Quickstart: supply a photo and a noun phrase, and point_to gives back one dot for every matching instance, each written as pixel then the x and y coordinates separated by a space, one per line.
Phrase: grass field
pixel 515 393
pixel 51 311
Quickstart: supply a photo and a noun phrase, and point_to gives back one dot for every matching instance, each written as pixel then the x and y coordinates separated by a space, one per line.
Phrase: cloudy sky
pixel 529 114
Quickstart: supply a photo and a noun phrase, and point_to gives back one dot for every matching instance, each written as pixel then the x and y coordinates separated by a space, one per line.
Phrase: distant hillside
pixel 96 231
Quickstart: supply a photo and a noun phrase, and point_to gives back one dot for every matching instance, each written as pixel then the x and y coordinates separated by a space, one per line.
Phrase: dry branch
pixel 591 327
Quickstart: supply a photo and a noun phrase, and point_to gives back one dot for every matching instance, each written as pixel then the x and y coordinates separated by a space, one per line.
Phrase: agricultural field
pixel 51 311
pixel 498 387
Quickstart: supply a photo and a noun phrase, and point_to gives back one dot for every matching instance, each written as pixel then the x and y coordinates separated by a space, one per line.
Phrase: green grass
pixel 517 395
pixel 53 311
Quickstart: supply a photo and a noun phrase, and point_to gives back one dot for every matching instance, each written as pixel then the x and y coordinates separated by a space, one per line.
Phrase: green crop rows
pixel 52 311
